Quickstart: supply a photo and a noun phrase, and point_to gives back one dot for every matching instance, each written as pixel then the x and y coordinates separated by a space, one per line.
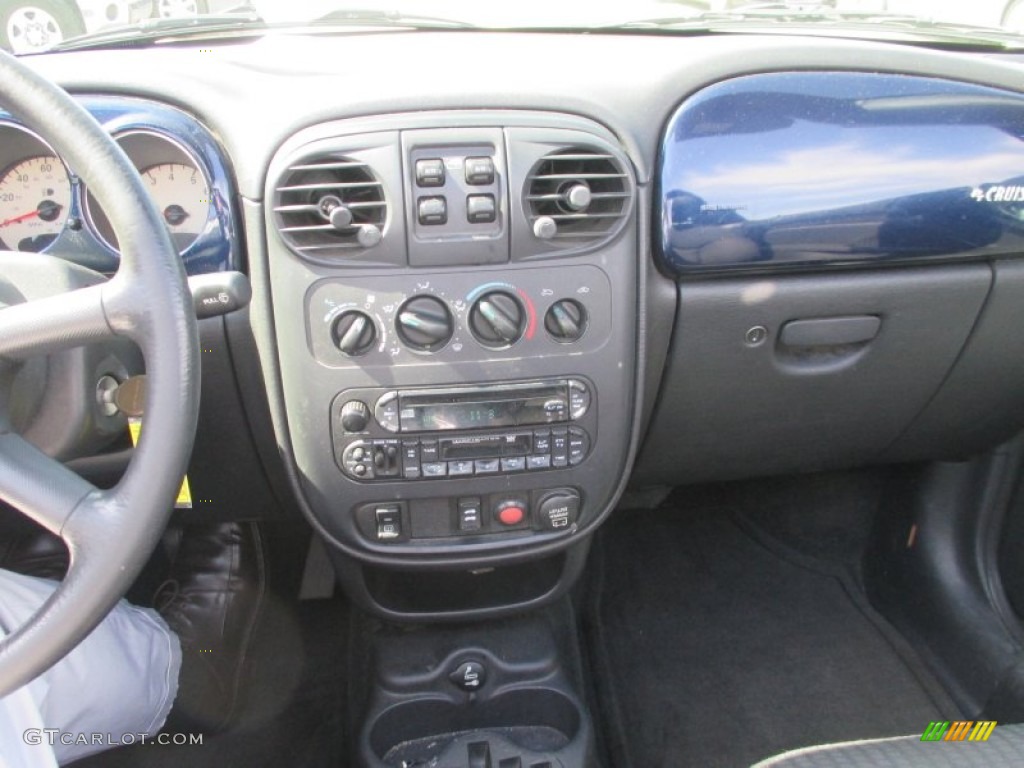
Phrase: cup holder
pixel 530 723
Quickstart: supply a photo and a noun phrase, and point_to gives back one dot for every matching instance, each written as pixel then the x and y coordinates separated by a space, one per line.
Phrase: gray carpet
pixel 715 645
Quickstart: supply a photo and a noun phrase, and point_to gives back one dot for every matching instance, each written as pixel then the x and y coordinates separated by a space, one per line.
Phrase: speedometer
pixel 35 197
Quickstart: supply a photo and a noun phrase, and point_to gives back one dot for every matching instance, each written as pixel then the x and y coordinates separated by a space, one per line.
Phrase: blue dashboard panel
pixel 828 168
pixel 218 245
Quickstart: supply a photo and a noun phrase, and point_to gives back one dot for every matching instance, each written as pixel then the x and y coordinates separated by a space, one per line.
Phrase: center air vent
pixel 330 207
pixel 577 197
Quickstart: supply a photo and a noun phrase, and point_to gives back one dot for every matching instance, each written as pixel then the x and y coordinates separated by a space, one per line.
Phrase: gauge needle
pixel 17 219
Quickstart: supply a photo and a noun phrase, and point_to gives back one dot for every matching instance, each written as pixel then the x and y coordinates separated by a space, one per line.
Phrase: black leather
pixel 211 599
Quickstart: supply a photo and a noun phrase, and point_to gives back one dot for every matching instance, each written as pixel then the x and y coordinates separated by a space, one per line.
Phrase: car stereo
pixel 424 433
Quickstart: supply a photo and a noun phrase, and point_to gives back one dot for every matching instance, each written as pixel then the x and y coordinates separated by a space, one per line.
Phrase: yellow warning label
pixel 184 500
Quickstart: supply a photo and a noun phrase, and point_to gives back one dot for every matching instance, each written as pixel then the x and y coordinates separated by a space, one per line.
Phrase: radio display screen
pixel 476 413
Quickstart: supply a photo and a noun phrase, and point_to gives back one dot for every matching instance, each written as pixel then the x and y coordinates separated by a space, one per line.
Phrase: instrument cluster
pixel 46 207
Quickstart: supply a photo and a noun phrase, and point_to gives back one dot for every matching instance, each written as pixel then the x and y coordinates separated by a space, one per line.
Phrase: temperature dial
pixel 497 319
pixel 354 333
pixel 566 320
pixel 424 323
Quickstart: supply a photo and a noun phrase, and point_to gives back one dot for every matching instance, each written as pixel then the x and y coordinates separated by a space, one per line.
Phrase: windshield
pixel 31 26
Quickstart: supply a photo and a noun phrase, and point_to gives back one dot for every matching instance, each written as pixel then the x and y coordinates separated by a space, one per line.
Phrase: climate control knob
pixel 424 323
pixel 353 332
pixel 497 319
pixel 566 320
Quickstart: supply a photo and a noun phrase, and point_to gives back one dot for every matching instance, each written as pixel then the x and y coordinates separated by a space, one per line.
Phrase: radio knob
pixel 497 319
pixel 566 320
pixel 355 415
pixel 354 333
pixel 424 323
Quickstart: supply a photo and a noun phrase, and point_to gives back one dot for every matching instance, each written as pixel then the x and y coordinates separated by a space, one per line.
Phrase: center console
pixel 454 301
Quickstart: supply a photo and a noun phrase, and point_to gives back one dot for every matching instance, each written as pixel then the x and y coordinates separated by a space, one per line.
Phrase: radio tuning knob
pixel 353 332
pixel 424 323
pixel 497 319
pixel 566 320
pixel 355 415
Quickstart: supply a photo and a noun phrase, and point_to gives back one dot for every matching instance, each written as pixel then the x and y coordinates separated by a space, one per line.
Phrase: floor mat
pixel 713 645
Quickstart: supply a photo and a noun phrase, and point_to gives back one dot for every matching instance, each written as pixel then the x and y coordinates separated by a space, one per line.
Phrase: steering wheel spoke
pixel 38 486
pixel 54 323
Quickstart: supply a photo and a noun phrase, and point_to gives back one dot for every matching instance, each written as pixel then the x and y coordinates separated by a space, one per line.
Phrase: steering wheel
pixel 109 533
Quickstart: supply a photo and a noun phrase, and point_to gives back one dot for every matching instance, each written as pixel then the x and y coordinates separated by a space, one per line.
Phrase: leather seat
pixel 1004 749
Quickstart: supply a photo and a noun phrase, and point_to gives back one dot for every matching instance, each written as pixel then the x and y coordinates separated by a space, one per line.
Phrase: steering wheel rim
pixel 109 533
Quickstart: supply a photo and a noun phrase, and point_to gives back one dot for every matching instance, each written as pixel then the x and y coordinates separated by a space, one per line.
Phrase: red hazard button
pixel 511 513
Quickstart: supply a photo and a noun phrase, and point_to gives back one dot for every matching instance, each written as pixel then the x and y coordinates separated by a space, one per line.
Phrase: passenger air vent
pixel 577 197
pixel 330 207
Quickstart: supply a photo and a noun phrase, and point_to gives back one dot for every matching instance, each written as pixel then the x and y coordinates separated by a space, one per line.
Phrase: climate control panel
pixel 458 317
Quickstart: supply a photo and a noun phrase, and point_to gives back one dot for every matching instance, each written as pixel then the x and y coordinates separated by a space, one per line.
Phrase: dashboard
pixel 44 206
pixel 492 291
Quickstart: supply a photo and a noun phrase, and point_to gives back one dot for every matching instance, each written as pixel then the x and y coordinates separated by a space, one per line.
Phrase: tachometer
pixel 181 195
pixel 35 197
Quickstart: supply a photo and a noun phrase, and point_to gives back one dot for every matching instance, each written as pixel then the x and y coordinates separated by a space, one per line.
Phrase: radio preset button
pixel 486 466
pixel 434 468
pixel 513 464
pixel 538 462
pixel 460 468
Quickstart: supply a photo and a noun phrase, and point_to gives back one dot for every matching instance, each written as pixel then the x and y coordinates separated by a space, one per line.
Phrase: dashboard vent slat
pixel 329 166
pixel 330 205
pixel 328 185
pixel 577 197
